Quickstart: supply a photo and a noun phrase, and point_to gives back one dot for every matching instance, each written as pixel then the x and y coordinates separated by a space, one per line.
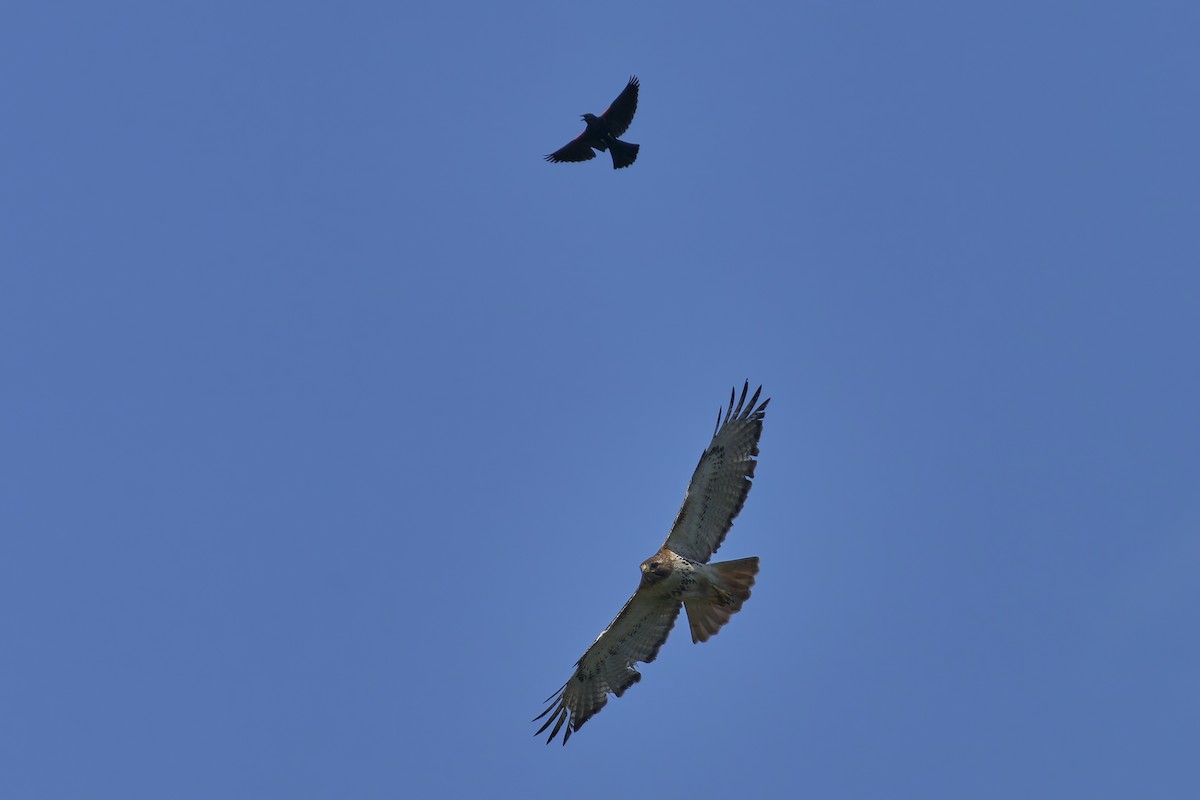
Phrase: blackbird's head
pixel 589 118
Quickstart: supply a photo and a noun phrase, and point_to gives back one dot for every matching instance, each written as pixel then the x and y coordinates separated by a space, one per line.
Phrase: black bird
pixel 602 132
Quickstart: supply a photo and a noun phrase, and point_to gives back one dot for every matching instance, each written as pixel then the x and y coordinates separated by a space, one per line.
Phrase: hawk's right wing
pixel 635 635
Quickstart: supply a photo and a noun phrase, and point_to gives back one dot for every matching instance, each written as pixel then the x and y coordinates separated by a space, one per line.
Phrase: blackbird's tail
pixel 623 153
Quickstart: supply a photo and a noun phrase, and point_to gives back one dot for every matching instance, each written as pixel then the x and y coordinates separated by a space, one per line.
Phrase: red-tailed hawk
pixel 678 575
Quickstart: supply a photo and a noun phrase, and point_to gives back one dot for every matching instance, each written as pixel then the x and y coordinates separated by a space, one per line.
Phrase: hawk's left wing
pixel 721 481
pixel 635 635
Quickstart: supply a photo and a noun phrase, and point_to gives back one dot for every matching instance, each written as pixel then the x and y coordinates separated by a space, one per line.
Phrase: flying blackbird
pixel 602 132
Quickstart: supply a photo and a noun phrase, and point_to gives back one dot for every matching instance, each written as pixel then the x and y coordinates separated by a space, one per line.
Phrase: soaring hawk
pixel 601 132
pixel 678 575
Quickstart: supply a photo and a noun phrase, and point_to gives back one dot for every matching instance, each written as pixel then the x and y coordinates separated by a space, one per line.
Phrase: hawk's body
pixel 677 576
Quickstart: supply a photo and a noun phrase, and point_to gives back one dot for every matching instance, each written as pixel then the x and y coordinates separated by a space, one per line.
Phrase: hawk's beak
pixel 645 568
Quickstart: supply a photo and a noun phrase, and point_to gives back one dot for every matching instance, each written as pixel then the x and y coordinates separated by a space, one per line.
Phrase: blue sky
pixel 336 422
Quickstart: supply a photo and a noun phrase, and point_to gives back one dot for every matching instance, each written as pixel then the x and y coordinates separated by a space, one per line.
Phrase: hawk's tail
pixel 731 588
pixel 623 153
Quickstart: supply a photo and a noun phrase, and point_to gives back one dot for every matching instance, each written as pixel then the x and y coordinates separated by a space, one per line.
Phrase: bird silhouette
pixel 602 131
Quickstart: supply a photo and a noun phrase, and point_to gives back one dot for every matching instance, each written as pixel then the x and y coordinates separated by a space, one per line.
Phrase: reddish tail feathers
pixel 732 588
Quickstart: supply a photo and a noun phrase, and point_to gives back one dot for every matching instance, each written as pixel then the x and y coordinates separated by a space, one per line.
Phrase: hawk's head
pixel 655 568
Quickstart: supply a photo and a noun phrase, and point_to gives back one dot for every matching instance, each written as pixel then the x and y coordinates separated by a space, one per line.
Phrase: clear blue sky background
pixel 336 422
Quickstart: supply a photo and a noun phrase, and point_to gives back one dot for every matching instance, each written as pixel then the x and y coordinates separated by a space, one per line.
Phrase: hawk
pixel 677 576
pixel 601 132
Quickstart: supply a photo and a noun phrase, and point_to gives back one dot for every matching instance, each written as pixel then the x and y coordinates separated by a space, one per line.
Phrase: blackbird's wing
pixel 619 115
pixel 575 150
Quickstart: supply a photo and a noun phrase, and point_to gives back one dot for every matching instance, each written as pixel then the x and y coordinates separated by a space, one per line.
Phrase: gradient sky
pixel 334 422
